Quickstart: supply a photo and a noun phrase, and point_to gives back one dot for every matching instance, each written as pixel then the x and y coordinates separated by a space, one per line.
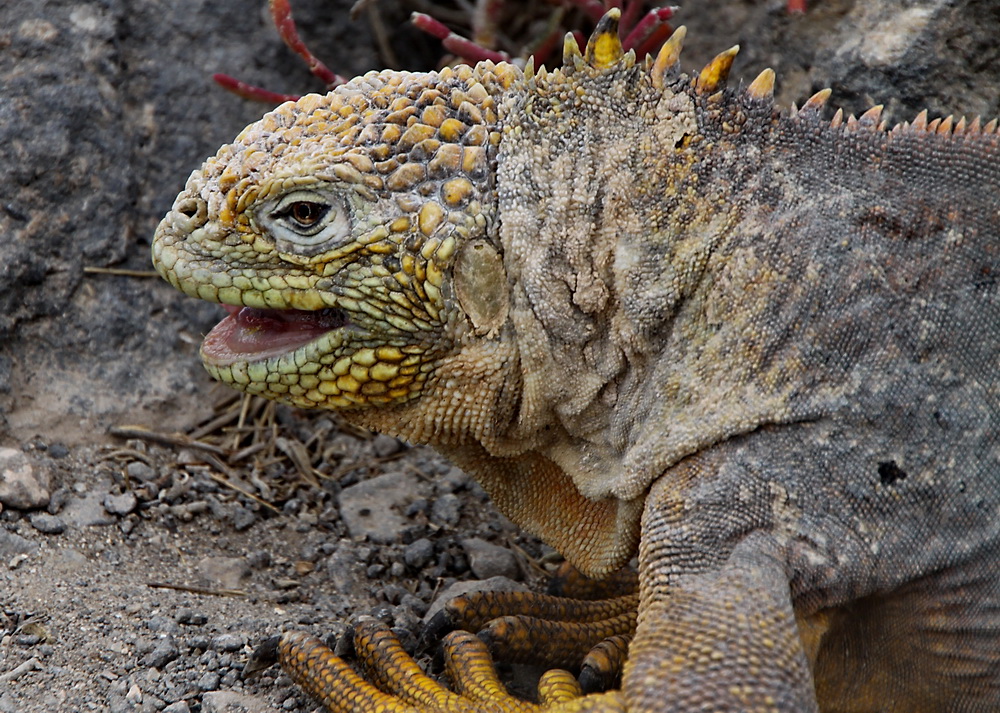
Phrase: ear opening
pixel 480 283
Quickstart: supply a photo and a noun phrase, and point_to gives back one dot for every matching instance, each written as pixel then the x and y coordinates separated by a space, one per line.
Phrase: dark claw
pixel 439 625
pixel 264 656
pixel 488 637
pixel 594 680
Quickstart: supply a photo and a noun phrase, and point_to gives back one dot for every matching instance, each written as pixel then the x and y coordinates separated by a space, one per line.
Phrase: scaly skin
pixel 649 311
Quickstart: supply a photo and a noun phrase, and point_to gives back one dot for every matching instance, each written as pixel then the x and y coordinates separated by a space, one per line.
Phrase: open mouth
pixel 250 334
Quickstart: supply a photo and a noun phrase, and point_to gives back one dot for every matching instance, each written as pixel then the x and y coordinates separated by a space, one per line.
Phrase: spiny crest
pixel 713 75
pixel 871 120
pixel 668 58
pixel 604 48
pixel 762 88
pixel 604 51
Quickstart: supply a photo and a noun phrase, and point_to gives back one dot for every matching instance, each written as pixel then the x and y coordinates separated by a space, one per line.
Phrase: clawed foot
pixel 397 684
pixel 582 632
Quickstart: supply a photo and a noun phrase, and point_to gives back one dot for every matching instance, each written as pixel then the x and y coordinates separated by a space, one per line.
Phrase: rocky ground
pixel 139 567
pixel 136 577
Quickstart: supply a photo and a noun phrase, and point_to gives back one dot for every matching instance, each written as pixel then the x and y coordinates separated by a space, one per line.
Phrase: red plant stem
pixel 470 51
pixel 456 44
pixel 630 15
pixel 641 33
pixel 429 25
pixel 655 40
pixel 281 13
pixel 249 91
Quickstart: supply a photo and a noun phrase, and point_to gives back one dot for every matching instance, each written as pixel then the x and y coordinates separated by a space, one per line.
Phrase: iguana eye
pixel 306 222
pixel 306 214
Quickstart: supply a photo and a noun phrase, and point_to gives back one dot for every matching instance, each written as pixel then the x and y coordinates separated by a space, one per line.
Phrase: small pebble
pixel 375 571
pixel 488 560
pixel 140 471
pixel 49 524
pixel 243 518
pixel 121 504
pixel 452 480
pixel 162 625
pixel 209 681
pixel 223 572
pixel 385 446
pixel 58 500
pixel 23 485
pixel 446 510
pixel 228 701
pixel 163 653
pixel 228 642
pixel 418 553
pixel 190 617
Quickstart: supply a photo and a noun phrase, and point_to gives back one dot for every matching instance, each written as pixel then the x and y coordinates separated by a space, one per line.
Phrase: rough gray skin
pixel 773 337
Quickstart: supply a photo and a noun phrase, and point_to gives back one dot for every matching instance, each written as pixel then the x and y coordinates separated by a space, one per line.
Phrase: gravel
pixel 152 600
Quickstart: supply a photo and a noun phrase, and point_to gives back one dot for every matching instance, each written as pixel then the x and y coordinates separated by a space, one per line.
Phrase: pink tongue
pixel 250 334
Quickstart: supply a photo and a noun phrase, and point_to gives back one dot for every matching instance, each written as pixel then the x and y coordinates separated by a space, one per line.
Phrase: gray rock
pixel 12 545
pixel 494 584
pixel 342 568
pixel 22 484
pixel 243 518
pixel 177 707
pixel 163 625
pixel 223 572
pixel 190 617
pixel 372 508
pixel 446 510
pixel 229 702
pixel 86 511
pixel 49 524
pixel 209 681
pixel 121 504
pixel 228 642
pixel 140 471
pixel 487 560
pixel 418 553
pixel 384 445
pixel 164 651
pixel 452 480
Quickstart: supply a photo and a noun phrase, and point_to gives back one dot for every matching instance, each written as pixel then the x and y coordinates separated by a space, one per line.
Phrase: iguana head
pixel 351 236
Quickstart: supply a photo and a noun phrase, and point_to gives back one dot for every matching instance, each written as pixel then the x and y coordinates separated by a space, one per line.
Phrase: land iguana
pixel 650 313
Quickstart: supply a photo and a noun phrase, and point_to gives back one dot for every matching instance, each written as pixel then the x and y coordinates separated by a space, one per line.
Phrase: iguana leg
pixel 712 635
pixel 397 684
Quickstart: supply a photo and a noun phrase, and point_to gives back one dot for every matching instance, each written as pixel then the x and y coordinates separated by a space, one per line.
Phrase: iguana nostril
pixel 189 209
